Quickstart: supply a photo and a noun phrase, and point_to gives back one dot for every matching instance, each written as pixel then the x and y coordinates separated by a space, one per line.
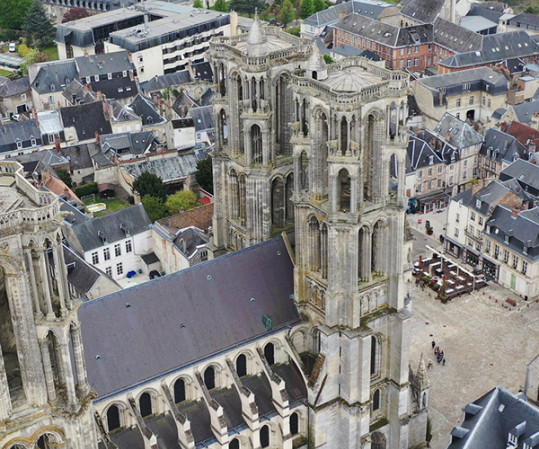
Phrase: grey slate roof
pixel 134 143
pixel 76 94
pixel 139 343
pixel 331 15
pixel 488 421
pixel 457 133
pixel 522 231
pixel 494 48
pixel 525 173
pixel 80 155
pixel 23 131
pixel 525 20
pixel 193 238
pixel 385 33
pixel 145 109
pixel 489 12
pixel 203 117
pixel 419 154
pixel 479 79
pixel 203 71
pixel 134 219
pixel 455 37
pixel 80 274
pixel 168 169
pixel 117 87
pixel 205 99
pixel 166 81
pixel 54 76
pixel 88 119
pixel 14 87
pixel 525 111
pixel 500 146
pixel 104 63
pixel 422 10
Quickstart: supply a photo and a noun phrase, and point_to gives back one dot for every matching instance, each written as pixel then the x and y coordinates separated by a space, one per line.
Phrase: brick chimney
pixel 34 113
pixel 57 145
pixel 514 212
pixel 97 138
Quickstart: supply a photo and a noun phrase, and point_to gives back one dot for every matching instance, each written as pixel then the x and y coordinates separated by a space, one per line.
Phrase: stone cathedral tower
pixel 44 393
pixel 324 147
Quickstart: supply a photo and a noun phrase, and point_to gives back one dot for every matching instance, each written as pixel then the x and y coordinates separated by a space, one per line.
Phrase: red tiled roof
pixel 523 133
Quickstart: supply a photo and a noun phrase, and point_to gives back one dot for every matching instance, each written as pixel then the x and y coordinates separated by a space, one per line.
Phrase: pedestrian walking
pixel 429 366
pixel 433 344
pixel 443 363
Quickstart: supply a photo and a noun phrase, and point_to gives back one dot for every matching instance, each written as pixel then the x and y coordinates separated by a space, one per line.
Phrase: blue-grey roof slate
pixel 134 219
pixel 14 87
pixel 55 76
pixel 220 304
pixel 500 411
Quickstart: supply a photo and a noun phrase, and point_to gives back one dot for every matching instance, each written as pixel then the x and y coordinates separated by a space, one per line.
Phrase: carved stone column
pixel 37 305
pixel 59 280
pixel 47 368
pixel 45 285
pixel 68 375
pixel 80 362
pixel 5 399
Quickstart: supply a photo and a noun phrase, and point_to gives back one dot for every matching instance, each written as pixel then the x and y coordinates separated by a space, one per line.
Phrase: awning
pixel 434 198
pixel 449 239
pixel 106 186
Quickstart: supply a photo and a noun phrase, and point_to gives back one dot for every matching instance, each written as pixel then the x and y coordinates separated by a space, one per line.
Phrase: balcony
pixel 477 238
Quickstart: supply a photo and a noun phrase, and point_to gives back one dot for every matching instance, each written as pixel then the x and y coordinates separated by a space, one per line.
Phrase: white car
pixel 12 47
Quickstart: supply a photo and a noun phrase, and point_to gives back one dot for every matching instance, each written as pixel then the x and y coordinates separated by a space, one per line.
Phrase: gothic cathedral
pixel 45 397
pixel 320 149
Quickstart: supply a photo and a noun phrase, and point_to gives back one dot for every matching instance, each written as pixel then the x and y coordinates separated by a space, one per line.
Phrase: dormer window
pixel 19 144
pixel 124 228
pixel 33 142
pixel 96 78
pixel 109 76
pixel 488 229
pixel 102 236
pixel 88 79
pixel 525 250
pixel 478 204
pixel 124 73
pixel 431 160
pixel 506 239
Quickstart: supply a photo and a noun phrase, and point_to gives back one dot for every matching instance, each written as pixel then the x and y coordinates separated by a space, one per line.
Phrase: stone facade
pixel 44 392
pixel 299 142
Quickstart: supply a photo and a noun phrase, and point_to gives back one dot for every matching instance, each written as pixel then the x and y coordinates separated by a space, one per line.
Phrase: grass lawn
pixel 112 206
pixel 51 52
pixel 5 72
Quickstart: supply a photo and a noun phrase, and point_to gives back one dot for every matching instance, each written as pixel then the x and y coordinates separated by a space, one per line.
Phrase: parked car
pixel 12 47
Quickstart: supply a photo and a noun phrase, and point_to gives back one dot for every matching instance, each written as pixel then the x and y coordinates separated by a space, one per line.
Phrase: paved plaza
pixel 485 345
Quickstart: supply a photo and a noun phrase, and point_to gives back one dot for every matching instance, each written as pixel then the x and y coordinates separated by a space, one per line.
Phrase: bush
pixel 296 31
pixel 86 189
pixel 425 279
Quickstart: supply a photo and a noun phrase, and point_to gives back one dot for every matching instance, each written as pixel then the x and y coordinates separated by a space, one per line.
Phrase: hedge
pixel 86 189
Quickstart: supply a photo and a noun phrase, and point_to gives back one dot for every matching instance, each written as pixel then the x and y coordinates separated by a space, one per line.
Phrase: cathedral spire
pixel 421 381
pixel 256 38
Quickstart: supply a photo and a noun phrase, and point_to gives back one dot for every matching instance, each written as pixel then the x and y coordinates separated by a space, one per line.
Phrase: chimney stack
pixel 57 145
pixel 515 212
pixel 97 138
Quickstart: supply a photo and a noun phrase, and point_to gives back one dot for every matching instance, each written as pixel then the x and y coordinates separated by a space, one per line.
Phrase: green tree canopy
pixel 328 59
pixel 306 8
pixel 38 28
pixel 185 199
pixel 319 5
pixel 204 174
pixel 64 176
pixel 13 13
pixel 247 6
pixel 220 5
pixel 288 14
pixel 198 4
pixel 149 184
pixel 154 207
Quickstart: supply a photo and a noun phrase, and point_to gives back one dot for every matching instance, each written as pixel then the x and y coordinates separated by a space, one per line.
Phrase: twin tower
pixel 320 149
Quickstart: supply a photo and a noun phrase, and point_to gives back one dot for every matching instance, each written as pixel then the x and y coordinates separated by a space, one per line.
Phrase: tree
pixel 247 6
pixel 198 4
pixel 319 5
pixel 184 199
pixel 306 8
pixel 33 56
pixel 149 184
pixel 204 174
pixel 220 5
pixel 64 176
pixel 13 13
pixel 37 28
pixel 288 14
pixel 154 207
pixel 75 14
pixel 328 59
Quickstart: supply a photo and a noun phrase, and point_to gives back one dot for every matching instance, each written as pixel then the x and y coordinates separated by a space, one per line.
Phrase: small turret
pixel 257 39
pixel 316 67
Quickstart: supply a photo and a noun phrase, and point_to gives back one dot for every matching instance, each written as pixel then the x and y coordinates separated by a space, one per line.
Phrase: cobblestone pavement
pixel 486 343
